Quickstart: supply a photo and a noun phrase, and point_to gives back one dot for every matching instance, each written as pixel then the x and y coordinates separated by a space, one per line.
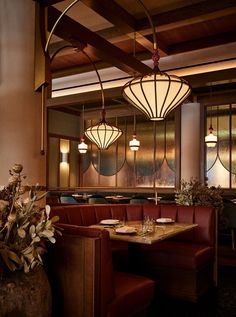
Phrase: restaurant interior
pixel 123 112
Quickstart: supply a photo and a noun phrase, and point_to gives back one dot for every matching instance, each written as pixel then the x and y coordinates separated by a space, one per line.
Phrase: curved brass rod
pixel 58 50
pixel 151 24
pixel 49 39
pixel 94 66
pixel 99 78
pixel 56 23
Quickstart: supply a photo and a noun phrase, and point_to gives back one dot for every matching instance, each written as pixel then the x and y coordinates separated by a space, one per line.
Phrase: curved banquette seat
pixel 185 265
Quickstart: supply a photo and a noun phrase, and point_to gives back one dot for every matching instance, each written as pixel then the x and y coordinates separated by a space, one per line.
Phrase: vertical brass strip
pixel 42 150
pixel 154 157
pixel 99 167
pixel 117 153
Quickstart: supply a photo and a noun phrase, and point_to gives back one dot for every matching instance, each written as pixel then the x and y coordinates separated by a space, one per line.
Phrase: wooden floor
pixel 227 257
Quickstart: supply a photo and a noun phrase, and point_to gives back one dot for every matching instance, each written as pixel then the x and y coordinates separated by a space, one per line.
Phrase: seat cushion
pixel 133 294
pixel 178 254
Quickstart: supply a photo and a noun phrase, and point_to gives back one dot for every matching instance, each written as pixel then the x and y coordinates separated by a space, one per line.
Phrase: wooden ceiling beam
pixel 84 98
pixel 122 20
pixel 196 13
pixel 201 43
pixel 47 3
pixel 71 31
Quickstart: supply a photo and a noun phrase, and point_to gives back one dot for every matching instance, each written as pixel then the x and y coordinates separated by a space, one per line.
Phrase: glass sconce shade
pixel 82 147
pixel 64 157
pixel 156 94
pixel 211 139
pixel 134 144
pixel 103 134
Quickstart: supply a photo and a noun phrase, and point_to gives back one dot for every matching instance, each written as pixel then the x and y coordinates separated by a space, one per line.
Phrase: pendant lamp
pixel 157 93
pixel 102 134
pixel 210 139
pixel 83 147
pixel 134 144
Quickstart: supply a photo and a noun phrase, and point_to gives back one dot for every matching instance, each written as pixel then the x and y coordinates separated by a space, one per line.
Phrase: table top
pixel 161 232
pixel 117 198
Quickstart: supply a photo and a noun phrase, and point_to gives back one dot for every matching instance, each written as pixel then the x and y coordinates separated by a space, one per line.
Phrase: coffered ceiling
pixel 196 38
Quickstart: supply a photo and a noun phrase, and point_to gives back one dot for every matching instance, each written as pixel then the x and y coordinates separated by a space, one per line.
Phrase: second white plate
pixel 110 222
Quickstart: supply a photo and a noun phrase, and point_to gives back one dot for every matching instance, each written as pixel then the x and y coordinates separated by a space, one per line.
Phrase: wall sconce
pixel 64 157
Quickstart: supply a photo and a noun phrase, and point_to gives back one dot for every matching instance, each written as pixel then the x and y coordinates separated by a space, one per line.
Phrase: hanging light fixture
pixel 211 139
pixel 134 144
pixel 82 147
pixel 157 93
pixel 102 134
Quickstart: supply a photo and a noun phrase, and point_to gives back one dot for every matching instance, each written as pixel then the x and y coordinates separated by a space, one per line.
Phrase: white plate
pixel 109 222
pixel 126 230
pixel 165 220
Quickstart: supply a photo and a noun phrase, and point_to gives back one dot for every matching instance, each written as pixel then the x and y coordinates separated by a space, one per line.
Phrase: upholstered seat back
pixel 86 215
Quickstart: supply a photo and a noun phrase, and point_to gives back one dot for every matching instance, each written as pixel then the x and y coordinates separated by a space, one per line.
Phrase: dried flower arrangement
pixel 24 226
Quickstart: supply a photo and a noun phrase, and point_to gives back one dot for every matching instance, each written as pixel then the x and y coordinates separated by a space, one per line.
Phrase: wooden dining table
pixel 118 198
pixel 160 231
pixel 137 238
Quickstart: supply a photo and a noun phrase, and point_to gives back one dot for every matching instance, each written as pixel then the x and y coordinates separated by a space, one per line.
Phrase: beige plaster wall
pixel 19 104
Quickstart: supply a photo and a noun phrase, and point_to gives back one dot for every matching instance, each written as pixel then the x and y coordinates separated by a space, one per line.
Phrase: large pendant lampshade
pixel 157 93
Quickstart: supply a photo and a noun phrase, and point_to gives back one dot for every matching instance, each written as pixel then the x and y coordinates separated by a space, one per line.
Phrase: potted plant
pixel 25 228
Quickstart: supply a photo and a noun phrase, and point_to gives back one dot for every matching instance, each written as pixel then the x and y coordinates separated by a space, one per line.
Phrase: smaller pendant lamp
pixel 157 93
pixel 211 139
pixel 134 144
pixel 102 134
pixel 83 147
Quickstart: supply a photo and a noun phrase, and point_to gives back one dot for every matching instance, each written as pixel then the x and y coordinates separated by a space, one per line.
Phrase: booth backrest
pixel 81 272
pixel 86 215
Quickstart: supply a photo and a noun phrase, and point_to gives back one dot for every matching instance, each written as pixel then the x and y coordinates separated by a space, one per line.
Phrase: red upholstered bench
pixel 84 282
pixel 185 265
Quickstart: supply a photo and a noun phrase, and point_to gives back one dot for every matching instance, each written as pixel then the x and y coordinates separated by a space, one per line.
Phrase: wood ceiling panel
pixel 70 31
pixel 181 26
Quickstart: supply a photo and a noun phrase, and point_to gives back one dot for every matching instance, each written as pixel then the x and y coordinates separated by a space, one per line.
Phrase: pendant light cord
pixel 134 134
pixel 99 78
pixel 83 122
